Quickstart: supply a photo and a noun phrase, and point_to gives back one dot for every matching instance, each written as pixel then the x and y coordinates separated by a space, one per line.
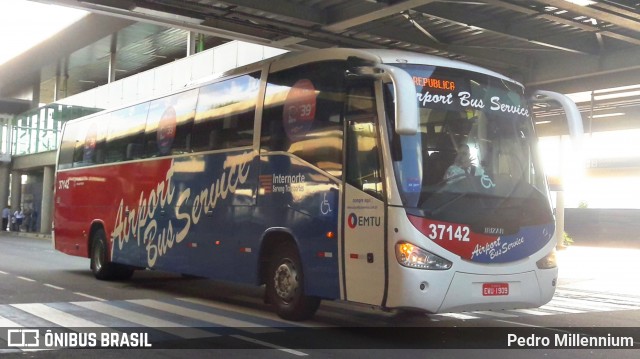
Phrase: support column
pixel 16 190
pixel 5 182
pixel 192 40
pixel 195 43
pixel 46 208
pixel 57 84
pixel 35 92
pixel 112 59
pixel 62 79
pixel 200 46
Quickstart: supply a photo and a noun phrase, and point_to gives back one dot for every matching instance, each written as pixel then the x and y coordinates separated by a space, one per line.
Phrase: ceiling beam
pixel 569 22
pixel 288 9
pixel 343 19
pixel 512 31
pixel 411 35
pixel 596 14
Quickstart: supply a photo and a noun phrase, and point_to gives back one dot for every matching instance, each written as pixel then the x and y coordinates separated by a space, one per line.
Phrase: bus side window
pixel 88 138
pixel 169 124
pixel 70 150
pixel 225 114
pixel 363 162
pixel 303 114
pixel 125 140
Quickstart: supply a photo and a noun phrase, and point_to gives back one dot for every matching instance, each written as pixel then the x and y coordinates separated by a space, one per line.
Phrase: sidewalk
pixel 613 270
pixel 46 236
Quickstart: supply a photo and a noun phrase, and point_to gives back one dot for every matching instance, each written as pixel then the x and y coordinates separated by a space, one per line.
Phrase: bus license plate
pixel 492 289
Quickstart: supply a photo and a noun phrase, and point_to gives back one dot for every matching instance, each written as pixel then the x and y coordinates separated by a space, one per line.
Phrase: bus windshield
pixel 475 156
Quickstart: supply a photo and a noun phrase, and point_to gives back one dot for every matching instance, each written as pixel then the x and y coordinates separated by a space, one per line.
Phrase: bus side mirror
pixel 406 103
pixel 571 111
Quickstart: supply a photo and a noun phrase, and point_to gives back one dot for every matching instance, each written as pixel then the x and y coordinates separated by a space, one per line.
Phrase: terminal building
pixel 29 137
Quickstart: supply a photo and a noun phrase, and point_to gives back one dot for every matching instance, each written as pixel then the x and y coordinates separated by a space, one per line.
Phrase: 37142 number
pixel 450 232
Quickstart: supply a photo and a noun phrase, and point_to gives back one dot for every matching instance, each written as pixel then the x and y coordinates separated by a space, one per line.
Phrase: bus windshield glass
pixel 475 154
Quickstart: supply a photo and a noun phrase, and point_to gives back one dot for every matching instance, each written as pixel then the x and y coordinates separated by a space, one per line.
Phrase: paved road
pixel 41 288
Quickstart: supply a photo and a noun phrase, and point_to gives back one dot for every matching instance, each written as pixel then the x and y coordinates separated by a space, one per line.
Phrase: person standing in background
pixel 6 213
pixel 34 220
pixel 19 215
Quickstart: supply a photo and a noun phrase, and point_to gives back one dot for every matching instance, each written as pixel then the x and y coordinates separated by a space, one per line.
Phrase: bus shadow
pixel 244 297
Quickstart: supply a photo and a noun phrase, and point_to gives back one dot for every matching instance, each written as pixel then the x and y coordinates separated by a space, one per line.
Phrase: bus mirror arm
pixel 571 110
pixel 406 103
pixel 406 106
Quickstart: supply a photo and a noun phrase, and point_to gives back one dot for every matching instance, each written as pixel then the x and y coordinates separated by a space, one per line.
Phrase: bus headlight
pixel 412 256
pixel 548 261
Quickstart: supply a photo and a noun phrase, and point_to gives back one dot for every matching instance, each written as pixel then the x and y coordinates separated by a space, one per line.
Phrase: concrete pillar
pixel 195 43
pixel 16 190
pixel 5 182
pixel 61 85
pixel 16 193
pixel 112 67
pixel 112 59
pixel 35 94
pixel 46 208
pixel 192 40
pixel 57 83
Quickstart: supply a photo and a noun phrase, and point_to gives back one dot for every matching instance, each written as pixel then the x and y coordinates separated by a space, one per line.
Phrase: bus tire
pixel 100 266
pixel 285 285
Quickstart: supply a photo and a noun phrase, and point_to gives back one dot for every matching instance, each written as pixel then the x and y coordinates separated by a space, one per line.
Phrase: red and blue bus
pixel 389 178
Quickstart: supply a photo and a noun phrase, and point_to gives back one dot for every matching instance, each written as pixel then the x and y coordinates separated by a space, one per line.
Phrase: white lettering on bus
pixel 506 247
pixel 159 241
pixel 426 98
pixel 497 106
pixel 465 100
pixel 495 248
pixel 483 249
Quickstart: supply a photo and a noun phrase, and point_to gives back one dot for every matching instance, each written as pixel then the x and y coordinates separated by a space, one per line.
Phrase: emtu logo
pixel 352 221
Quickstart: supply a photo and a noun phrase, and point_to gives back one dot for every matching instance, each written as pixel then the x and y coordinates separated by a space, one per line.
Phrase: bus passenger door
pixel 364 209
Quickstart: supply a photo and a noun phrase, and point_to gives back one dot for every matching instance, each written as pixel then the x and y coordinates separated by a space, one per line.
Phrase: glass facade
pixel 39 130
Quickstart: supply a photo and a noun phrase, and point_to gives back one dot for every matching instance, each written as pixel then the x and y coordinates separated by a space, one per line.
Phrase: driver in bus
pixel 462 166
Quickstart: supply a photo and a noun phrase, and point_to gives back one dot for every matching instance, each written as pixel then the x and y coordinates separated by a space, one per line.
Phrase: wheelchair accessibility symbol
pixel 325 206
pixel 487 182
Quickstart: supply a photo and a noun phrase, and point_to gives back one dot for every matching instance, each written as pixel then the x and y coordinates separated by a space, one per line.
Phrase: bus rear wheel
pixel 285 286
pixel 100 266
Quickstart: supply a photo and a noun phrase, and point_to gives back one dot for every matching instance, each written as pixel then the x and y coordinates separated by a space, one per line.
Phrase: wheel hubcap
pixel 286 281
pixel 97 258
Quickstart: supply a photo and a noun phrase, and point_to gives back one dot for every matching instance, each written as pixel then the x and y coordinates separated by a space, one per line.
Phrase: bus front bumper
pixel 496 292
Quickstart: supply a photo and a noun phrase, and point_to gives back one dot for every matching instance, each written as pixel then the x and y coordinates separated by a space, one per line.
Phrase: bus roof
pixel 378 56
pixel 290 59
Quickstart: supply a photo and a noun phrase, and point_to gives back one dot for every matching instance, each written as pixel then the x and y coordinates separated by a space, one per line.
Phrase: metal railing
pixel 39 130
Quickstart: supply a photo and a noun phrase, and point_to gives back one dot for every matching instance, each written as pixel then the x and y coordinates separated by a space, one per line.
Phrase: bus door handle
pixel 369 257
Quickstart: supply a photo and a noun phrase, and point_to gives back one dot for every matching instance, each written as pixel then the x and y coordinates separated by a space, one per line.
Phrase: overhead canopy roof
pixel 554 44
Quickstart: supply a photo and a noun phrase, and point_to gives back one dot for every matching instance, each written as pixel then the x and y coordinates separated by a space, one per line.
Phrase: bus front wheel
pixel 285 286
pixel 100 266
